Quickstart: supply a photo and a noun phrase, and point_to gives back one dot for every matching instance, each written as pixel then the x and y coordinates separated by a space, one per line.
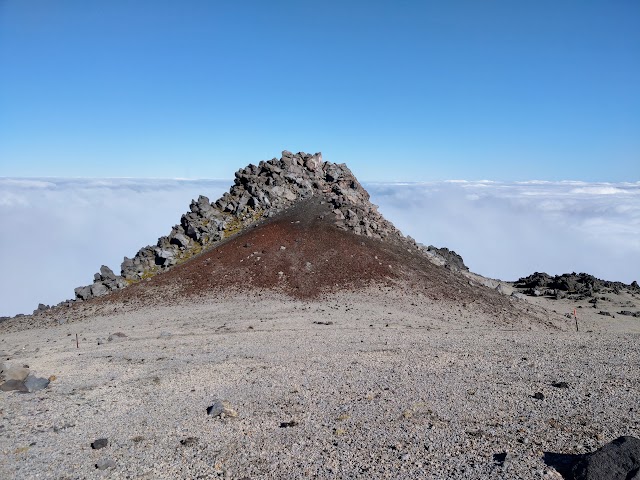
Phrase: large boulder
pixel 83 293
pixel 617 460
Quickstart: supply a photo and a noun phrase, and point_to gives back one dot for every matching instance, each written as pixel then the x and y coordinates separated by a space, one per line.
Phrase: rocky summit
pixel 261 192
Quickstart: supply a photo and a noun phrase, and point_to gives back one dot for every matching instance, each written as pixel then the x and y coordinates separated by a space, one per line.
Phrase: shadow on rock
pixel 562 462
pixel 617 460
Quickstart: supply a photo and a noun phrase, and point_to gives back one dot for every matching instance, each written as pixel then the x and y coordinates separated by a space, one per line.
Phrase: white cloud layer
pixel 57 232
pixel 509 230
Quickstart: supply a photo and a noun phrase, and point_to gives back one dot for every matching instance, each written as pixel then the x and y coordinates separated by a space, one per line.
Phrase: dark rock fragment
pixel 189 441
pixel 617 460
pixel 100 443
pixel 289 424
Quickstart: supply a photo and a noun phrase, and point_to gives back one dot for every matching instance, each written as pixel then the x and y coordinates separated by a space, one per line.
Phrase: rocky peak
pixel 259 191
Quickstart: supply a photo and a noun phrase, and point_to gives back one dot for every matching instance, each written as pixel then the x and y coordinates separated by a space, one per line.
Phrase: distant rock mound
pixel 580 284
pixel 259 192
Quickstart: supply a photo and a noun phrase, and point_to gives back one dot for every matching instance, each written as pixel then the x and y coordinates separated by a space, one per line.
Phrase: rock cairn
pixel 259 191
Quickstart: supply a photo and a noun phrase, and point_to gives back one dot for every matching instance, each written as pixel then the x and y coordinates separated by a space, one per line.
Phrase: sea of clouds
pixel 58 232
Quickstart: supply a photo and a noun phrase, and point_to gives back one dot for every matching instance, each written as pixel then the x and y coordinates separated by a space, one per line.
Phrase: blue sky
pixel 423 90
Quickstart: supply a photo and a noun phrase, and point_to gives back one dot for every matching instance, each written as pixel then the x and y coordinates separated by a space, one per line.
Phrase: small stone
pixel 14 372
pixel 57 429
pixel 560 385
pixel 189 441
pixel 100 443
pixel 105 463
pixel 538 396
pixel 35 384
pixel 221 408
pixel 289 424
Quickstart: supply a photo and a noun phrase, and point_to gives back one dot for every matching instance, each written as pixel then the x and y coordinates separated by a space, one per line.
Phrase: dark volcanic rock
pixel 100 443
pixel 617 460
pixel 571 283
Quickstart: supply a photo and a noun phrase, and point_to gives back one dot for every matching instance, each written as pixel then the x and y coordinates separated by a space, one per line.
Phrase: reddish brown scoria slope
pixel 301 253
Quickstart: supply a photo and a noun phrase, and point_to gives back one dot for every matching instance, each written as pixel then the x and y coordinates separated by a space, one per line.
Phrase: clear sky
pixel 424 90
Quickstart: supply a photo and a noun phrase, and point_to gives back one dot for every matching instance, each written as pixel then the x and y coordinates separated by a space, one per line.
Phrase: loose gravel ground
pixel 365 385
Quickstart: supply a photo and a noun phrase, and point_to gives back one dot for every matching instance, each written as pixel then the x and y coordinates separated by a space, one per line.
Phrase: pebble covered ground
pixel 377 384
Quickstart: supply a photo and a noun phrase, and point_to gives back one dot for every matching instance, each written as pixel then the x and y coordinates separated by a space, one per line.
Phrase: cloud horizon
pixel 61 230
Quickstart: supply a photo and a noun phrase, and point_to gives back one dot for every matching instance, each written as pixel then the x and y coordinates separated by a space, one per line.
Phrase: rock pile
pixel 581 284
pixel 19 378
pixel 103 282
pixel 259 191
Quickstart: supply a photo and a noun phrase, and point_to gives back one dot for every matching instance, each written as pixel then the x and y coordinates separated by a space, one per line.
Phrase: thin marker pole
pixel 77 344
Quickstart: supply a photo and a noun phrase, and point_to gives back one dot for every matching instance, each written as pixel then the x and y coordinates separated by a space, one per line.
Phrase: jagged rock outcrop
pixel 448 258
pixel 259 191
